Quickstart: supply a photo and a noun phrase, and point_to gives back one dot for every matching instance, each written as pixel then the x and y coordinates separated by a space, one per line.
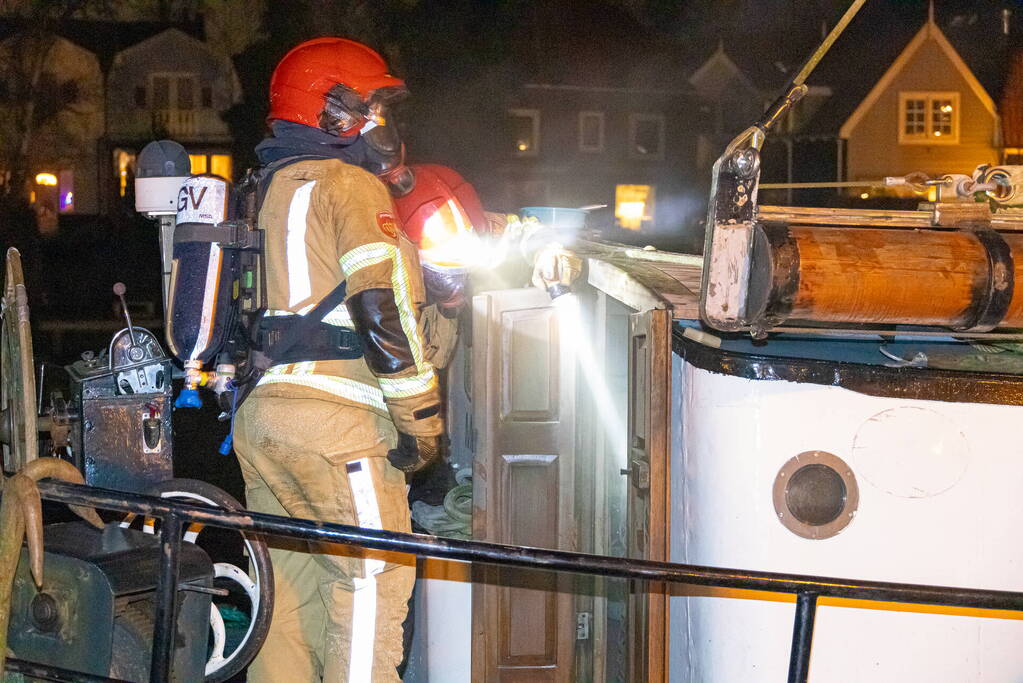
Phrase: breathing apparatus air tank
pixel 200 312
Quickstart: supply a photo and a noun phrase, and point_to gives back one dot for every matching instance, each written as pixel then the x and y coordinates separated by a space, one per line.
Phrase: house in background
pixel 890 98
pixel 928 113
pixel 172 85
pixel 571 144
pixel 905 101
pixel 66 120
pixel 116 86
pixel 597 115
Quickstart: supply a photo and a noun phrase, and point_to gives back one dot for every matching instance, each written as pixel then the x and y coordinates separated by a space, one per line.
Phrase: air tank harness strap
pixel 295 338
pixel 305 337
pixel 320 342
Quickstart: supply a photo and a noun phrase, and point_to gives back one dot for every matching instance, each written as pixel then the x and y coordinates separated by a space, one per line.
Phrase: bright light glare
pixel 631 210
pixel 576 338
pixel 937 133
pixel 566 305
pixel 47 179
pixel 864 195
pixel 448 239
pixel 946 108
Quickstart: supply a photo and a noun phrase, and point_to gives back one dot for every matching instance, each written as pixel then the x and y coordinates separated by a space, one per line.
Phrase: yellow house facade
pixel 928 113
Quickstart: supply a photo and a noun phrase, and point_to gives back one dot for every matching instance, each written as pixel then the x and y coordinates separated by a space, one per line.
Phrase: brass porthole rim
pixel 820 531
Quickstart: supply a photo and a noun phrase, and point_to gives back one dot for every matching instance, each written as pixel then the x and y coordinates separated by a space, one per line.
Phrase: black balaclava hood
pixel 290 139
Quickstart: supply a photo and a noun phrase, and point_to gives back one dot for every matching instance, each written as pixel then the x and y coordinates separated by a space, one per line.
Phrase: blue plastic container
pixel 556 217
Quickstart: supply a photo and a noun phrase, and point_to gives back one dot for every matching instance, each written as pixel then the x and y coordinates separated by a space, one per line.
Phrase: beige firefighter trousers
pixel 338 611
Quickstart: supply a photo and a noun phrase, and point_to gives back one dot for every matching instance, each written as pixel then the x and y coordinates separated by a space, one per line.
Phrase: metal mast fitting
pixel 769 266
pixel 733 200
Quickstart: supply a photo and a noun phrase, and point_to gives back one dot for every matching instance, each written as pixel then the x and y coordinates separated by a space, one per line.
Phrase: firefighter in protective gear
pixel 442 215
pixel 334 439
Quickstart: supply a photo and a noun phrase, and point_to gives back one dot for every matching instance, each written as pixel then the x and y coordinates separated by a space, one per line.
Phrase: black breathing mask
pixel 385 158
pixel 382 152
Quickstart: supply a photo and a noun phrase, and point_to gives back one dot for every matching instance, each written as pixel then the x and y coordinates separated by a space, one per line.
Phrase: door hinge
pixel 582 625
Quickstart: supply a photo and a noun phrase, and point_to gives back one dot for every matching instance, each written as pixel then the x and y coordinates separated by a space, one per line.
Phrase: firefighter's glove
pixel 556 267
pixel 445 287
pixel 414 453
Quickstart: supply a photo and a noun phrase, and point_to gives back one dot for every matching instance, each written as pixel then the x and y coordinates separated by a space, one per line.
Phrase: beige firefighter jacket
pixel 326 221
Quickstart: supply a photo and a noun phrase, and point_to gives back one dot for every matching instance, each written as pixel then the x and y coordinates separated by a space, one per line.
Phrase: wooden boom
pixel 962 279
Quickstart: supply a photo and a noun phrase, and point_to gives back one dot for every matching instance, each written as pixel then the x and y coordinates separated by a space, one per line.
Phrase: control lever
pixel 119 290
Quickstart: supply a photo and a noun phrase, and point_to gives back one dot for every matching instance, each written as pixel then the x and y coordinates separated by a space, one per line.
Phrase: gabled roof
pixel 170 36
pixel 881 33
pixel 106 39
pixel 720 60
pixel 929 31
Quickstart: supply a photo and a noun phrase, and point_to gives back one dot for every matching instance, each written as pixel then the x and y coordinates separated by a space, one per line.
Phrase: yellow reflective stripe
pixel 349 389
pixel 305 367
pixel 378 252
pixel 406 310
pixel 408 386
pixel 366 255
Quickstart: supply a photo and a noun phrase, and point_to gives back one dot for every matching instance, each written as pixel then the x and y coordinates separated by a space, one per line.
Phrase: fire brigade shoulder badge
pixel 388 224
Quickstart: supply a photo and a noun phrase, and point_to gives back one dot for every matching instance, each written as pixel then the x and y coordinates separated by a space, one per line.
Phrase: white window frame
pixel 172 90
pixel 533 114
pixel 927 138
pixel 634 121
pixel 599 147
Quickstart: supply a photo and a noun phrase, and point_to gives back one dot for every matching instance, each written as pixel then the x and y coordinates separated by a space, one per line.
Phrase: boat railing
pixel 175 516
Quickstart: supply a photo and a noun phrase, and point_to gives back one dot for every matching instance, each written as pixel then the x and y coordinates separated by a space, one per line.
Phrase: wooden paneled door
pixel 648 439
pixel 524 416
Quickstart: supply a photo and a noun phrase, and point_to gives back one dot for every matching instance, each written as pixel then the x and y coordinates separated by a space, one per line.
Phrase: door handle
pixel 639 472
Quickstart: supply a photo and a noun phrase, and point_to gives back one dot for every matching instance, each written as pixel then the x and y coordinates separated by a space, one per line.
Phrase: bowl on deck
pixel 557 217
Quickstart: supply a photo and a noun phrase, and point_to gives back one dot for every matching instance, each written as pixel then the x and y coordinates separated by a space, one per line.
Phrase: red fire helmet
pixel 438 189
pixel 303 78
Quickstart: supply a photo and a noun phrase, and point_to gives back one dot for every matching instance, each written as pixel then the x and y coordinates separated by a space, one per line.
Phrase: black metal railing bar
pixel 807 588
pixel 52 673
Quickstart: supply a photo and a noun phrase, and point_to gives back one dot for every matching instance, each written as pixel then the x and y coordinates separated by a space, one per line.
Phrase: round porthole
pixel 815 495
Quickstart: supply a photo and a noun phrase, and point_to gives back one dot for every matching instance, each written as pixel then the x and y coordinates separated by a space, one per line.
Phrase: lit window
pixel 217 164
pixel 634 206
pixel 220 164
pixel 591 131
pixel 199 164
pixel 927 118
pixel 525 131
pixel 124 168
pixel 46 179
pixel 646 136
